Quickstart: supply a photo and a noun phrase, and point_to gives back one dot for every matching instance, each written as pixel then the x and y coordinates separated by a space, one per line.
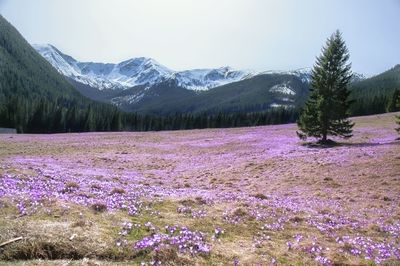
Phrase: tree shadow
pixel 333 144
pixel 371 144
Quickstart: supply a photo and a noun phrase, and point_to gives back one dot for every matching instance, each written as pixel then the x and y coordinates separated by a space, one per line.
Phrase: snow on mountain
pixel 358 77
pixel 136 71
pixel 71 68
pixel 204 79
pixel 148 72
pixel 128 99
pixel 303 73
pixel 283 88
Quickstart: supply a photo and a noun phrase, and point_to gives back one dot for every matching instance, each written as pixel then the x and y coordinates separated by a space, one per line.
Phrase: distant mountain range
pixel 136 71
pixel 144 85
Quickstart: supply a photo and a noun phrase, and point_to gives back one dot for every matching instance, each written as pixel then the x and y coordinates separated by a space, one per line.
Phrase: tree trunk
pixel 324 138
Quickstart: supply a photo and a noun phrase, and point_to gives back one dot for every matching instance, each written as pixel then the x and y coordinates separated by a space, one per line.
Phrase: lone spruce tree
pixel 326 111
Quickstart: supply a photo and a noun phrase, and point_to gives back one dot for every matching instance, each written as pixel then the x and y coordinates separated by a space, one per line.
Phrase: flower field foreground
pixel 247 196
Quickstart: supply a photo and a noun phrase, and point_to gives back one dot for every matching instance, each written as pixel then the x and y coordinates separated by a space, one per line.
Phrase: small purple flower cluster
pixel 197 214
pixel 328 223
pixel 150 227
pixel 126 229
pixel 261 214
pixel 230 217
pixel 185 240
pixel 193 213
pixel 153 242
pixel 184 210
pixel 152 262
pixel 31 192
pixel 371 250
pixel 273 227
pixel 218 232
pixel 298 238
pixel 323 260
pixel 393 229
pixel 259 239
pixel 170 229
pixel 317 252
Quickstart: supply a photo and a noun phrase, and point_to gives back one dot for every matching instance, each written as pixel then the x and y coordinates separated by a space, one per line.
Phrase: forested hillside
pixel 256 94
pixel 375 95
pixel 34 97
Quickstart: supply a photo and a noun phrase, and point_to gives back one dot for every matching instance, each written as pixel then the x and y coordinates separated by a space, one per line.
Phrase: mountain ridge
pixel 147 71
pixel 159 90
pixel 136 71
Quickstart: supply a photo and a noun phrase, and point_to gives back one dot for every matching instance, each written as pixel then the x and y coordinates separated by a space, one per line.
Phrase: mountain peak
pixel 143 63
pixel 45 46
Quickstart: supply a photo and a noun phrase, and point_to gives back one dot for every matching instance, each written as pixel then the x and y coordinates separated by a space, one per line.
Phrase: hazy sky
pixel 184 34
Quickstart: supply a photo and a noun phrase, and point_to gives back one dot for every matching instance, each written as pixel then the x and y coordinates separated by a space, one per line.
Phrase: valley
pixel 109 157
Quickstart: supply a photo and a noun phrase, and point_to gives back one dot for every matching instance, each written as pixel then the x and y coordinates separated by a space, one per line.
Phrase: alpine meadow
pixel 159 132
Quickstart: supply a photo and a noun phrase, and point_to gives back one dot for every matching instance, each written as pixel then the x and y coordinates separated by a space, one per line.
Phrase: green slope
pixel 382 84
pixel 25 72
pixel 250 95
pixel 373 95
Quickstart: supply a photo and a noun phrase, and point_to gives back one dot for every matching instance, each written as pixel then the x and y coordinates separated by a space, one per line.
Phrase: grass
pixel 274 198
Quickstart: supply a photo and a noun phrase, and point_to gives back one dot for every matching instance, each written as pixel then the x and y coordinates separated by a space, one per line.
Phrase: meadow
pixel 243 196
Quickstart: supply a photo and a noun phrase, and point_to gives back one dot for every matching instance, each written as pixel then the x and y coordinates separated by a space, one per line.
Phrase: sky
pixel 188 34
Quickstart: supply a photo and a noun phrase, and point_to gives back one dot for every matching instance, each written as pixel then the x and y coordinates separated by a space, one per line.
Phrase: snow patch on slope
pixel 277 105
pixel 283 88
pixel 303 73
pixel 204 79
pixel 128 99
pixel 69 67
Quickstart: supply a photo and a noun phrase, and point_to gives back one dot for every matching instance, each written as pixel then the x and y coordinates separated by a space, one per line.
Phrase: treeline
pixel 375 95
pixel 137 122
pixel 43 116
pixel 39 115
pixel 376 104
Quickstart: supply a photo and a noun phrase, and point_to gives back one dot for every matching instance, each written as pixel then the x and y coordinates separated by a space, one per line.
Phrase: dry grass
pixel 361 175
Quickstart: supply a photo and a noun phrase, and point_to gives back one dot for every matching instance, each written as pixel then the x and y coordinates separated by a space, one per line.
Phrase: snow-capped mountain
pixel 129 73
pixel 148 72
pixel 136 71
pixel 303 73
pixel 204 79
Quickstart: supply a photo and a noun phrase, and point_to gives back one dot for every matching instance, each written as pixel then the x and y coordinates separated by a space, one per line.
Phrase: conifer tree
pixel 393 102
pixel 326 111
pixel 398 117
